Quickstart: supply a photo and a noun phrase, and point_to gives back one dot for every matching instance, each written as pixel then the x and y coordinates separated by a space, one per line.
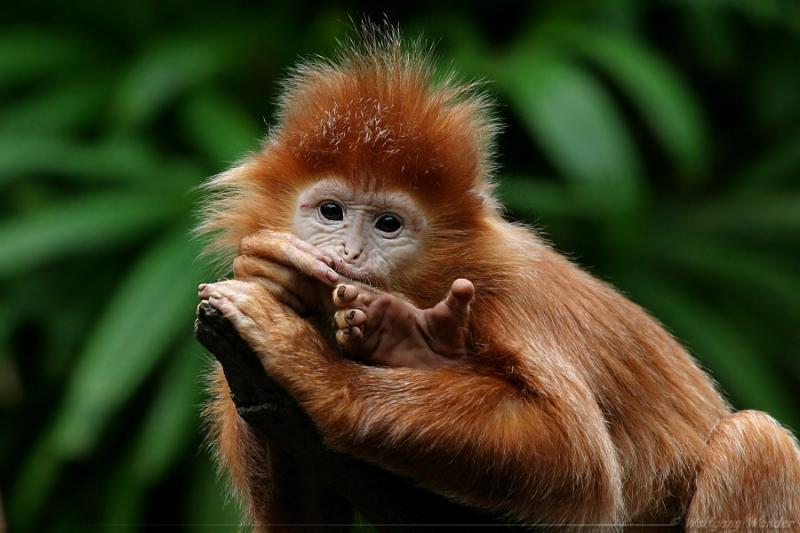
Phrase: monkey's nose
pixel 352 252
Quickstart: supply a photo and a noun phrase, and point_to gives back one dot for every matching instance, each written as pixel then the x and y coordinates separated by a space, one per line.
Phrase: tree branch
pixel 382 497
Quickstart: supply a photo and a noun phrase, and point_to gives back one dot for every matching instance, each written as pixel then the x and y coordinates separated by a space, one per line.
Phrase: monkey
pixel 380 284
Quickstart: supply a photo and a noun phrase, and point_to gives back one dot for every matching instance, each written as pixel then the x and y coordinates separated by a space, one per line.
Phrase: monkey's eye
pixel 331 211
pixel 388 223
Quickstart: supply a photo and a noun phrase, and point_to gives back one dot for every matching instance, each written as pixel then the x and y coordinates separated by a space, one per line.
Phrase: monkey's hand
pixel 286 266
pixel 385 329
pixel 268 325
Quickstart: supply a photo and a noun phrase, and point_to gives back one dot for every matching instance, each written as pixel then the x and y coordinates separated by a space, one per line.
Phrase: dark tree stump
pixel 383 498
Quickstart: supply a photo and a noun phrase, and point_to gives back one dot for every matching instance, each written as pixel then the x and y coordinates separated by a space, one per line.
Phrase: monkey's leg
pixel 748 477
pixel 477 438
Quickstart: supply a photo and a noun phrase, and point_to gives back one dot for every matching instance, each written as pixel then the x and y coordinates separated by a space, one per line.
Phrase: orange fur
pixel 575 405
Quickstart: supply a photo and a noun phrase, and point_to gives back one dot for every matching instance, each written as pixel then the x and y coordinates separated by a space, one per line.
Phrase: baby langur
pixel 481 363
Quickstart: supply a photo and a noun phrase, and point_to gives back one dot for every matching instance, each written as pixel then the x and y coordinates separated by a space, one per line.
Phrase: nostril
pixel 350 253
pixel 350 250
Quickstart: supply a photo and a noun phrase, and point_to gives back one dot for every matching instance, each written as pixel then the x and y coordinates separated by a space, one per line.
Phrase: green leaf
pixel 165 71
pixel 655 88
pixel 362 525
pixel 39 472
pixel 536 197
pixel 463 40
pixel 171 423
pixel 730 357
pixel 152 307
pixel 765 278
pixel 167 431
pixel 779 164
pixel 577 124
pixel 27 54
pixel 760 214
pixel 86 223
pixel 207 500
pixel 219 128
pixel 61 108
pixel 112 160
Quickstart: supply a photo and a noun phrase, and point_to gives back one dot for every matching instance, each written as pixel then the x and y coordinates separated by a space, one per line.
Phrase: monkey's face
pixel 375 232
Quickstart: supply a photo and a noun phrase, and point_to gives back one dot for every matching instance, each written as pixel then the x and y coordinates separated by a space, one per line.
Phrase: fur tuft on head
pixel 376 116
pixel 377 112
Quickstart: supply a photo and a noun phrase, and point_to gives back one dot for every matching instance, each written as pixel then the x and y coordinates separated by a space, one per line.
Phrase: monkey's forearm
pixel 464 435
pixel 271 421
pixel 475 437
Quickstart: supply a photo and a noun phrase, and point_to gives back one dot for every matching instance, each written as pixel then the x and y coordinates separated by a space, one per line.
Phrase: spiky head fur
pixel 376 116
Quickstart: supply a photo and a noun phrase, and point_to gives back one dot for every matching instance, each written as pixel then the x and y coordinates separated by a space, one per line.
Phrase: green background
pixel 656 143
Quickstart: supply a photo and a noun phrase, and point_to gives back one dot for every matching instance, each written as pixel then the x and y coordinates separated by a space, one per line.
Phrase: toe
pixel 349 337
pixel 349 317
pixel 449 316
pixel 462 291
pixel 344 295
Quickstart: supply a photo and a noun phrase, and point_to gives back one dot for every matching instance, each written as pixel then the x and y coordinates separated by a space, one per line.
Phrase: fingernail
pixel 340 292
pixel 346 332
pixel 350 315
pixel 201 286
pixel 331 275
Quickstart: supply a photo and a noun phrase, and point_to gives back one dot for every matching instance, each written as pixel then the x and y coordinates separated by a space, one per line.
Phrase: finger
pixel 348 338
pixel 268 238
pixel 205 290
pixel 232 289
pixel 313 267
pixel 328 258
pixel 282 248
pixel 245 266
pixel 284 296
pixel 349 317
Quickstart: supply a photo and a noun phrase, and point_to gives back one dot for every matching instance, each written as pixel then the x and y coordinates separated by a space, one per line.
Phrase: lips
pixel 352 273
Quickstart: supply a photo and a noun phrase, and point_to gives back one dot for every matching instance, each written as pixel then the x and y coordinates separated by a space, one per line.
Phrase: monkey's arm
pixel 543 456
pixel 272 414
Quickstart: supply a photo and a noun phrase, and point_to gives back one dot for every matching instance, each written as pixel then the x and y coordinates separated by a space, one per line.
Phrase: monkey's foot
pixel 385 329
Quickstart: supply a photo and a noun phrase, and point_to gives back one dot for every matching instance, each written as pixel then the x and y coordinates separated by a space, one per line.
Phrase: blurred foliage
pixel 657 143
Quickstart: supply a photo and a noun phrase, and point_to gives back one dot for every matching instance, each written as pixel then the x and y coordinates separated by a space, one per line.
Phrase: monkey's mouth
pixel 353 273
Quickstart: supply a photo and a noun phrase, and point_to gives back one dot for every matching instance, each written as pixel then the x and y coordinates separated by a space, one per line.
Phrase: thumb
pixel 447 321
pixel 458 300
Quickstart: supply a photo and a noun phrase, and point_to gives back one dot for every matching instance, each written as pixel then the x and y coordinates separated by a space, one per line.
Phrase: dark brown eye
pixel 388 223
pixel 331 211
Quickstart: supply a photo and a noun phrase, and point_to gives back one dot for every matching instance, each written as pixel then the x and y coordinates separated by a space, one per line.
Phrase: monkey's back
pixel 659 406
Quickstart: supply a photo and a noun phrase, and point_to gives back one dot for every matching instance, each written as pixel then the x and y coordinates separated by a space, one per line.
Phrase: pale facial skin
pixel 346 240
pixel 374 233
